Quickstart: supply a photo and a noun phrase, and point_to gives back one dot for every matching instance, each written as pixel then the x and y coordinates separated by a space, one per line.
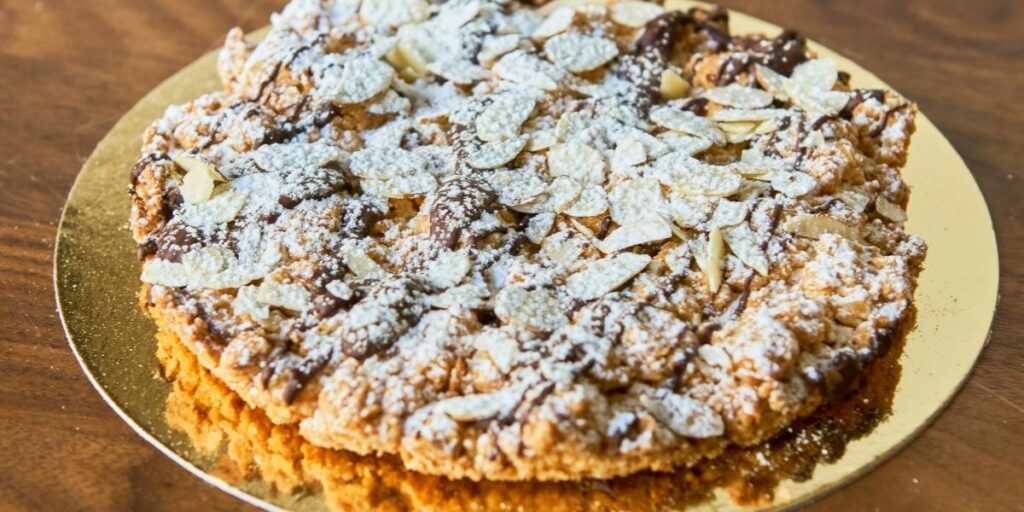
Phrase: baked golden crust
pixel 505 247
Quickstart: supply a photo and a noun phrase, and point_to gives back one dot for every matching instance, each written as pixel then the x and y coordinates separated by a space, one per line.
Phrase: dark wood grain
pixel 69 69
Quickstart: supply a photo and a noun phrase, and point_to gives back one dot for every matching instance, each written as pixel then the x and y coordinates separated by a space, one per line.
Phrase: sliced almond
pixel 578 161
pixel 361 79
pixel 363 266
pixel 709 180
pixel 817 74
pixel 503 117
pixel 745 244
pixel 393 13
pixel 495 154
pixel 890 210
pixel 199 180
pixel 494 47
pixel 580 53
pixel 459 71
pixel 447 269
pixel 672 85
pixel 635 200
pixel 539 226
pixel 606 275
pixel 164 273
pixel 792 184
pixel 630 235
pixel 635 14
pixel 407 60
pixel 684 121
pixel 560 194
pixel 222 208
pixel 526 68
pixel 537 310
pixel 710 257
pixel 556 23
pixel 291 296
pixel 541 140
pixel 739 96
pixel 386 162
pixel 771 81
pixel 816 225
pixel 592 201
pixel 628 153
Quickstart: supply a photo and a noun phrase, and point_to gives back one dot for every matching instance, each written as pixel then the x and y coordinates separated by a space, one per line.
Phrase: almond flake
pixel 504 116
pixel 731 115
pixel 771 81
pixel 291 296
pixel 628 153
pixel 816 225
pixel 203 264
pixel 527 69
pixel 539 226
pixel 709 255
pixel 164 273
pixel 579 161
pixel 672 85
pixel 470 408
pixel 393 13
pixel 739 96
pixel 536 310
pixel 542 139
pixel 558 196
pixel 745 245
pixel 687 144
pixel 592 201
pixel 495 154
pixel 635 200
pixel 386 162
pixel 499 347
pixel 407 60
pixel 461 72
pixel 580 53
pixel 447 269
pixel 629 235
pixel 817 74
pixel 398 187
pixel 494 47
pixel 686 122
pixel 363 266
pixel 470 295
pixel 710 180
pixel 556 23
pixel 635 14
pixel 855 201
pixel 792 184
pixel 606 275
pixel 197 185
pixel 360 79
pixel 890 210
pixel 728 213
pixel 816 102
pixel 517 186
pixel 222 208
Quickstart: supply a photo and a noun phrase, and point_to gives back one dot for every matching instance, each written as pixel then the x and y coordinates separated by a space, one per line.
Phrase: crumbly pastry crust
pixel 509 246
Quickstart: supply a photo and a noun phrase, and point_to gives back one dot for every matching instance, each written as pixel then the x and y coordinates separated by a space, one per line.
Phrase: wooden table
pixel 70 68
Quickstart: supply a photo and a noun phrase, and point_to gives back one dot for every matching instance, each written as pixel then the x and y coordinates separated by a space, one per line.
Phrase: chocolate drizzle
pixel 782 54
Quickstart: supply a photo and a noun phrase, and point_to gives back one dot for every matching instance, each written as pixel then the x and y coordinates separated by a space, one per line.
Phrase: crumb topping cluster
pixel 510 243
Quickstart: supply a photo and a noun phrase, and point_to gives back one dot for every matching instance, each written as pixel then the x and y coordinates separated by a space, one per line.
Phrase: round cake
pixel 507 241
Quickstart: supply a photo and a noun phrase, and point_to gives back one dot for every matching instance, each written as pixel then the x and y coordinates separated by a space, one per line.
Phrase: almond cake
pixel 511 242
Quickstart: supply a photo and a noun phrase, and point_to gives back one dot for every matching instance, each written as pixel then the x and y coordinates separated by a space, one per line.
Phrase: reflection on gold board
pixel 96 277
